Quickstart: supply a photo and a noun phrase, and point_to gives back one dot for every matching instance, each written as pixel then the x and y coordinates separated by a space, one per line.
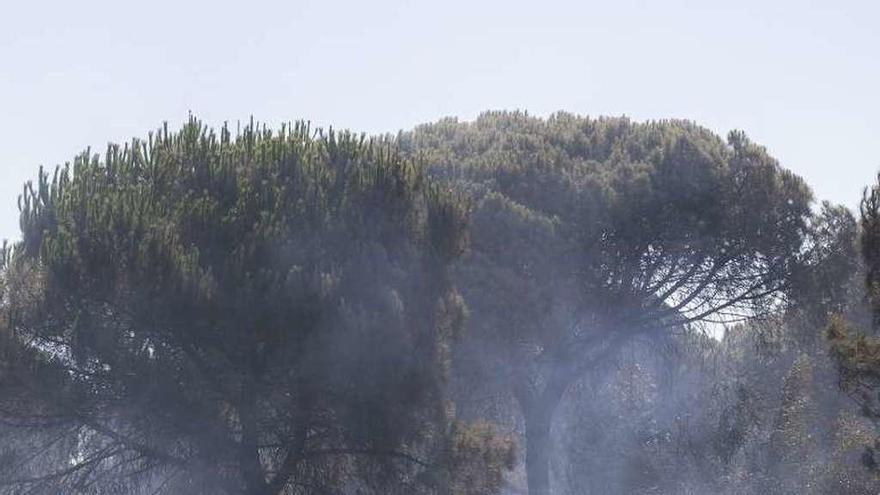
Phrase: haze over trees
pixel 211 314
pixel 510 305
pixel 589 233
pixel 857 353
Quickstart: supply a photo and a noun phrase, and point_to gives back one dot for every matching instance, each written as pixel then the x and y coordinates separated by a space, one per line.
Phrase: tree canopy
pixel 204 312
pixel 587 233
pixel 636 307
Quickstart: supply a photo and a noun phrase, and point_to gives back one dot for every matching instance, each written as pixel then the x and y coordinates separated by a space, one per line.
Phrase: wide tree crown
pixel 664 219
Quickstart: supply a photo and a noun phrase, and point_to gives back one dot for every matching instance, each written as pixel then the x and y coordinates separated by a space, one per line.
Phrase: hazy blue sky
pixel 802 78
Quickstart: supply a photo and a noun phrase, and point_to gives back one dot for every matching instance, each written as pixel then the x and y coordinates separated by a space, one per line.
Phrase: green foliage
pixel 858 358
pixel 279 312
pixel 589 233
pixel 857 354
pixel 639 210
pixel 870 245
pixel 259 313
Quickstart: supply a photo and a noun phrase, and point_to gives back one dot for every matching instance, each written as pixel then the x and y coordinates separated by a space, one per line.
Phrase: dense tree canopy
pixel 635 307
pixel 587 233
pixel 209 313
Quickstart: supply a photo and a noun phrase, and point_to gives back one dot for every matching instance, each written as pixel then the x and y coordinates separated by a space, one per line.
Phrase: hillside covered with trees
pixel 513 305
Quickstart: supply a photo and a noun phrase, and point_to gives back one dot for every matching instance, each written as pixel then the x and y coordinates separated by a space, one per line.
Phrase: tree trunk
pixel 538 449
pixel 538 410
pixel 251 468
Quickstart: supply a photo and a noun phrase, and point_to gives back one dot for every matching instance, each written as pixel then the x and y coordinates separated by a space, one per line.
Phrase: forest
pixel 511 305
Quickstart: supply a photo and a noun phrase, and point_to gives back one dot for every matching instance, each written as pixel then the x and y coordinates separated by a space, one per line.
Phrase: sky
pixel 799 77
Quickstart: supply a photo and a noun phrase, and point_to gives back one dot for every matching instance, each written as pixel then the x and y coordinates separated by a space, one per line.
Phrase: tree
pixel 588 233
pixel 870 246
pixel 263 313
pixel 857 353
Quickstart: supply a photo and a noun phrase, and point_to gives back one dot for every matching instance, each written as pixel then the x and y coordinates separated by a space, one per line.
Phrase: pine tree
pixel 262 313
pixel 587 234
